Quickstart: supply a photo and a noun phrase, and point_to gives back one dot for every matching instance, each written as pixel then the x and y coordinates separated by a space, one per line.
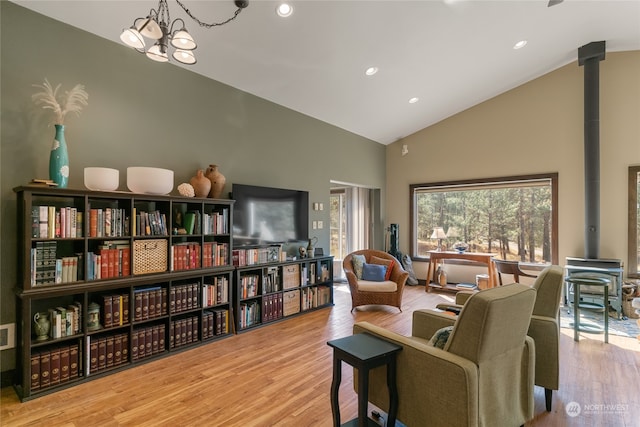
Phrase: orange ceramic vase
pixel 217 181
pixel 201 184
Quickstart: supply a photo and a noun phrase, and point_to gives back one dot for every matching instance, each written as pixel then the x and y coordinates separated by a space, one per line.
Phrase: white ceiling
pixel 451 54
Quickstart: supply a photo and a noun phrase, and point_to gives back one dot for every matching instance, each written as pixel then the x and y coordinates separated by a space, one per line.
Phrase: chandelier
pixel 159 27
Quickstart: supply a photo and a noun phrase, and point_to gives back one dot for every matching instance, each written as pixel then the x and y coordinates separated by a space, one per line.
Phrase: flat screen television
pixel 264 215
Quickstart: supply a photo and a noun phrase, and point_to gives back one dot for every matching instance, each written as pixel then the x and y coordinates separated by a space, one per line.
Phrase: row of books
pixel 111 259
pixel 271 280
pixel 185 256
pixel 65 321
pixel 54 366
pixel 216 292
pixel 214 323
pixel 271 307
pixel 183 332
pixel 253 256
pixel 108 222
pixel 44 265
pixel 249 285
pixel 148 341
pixel 315 297
pixel 183 297
pixel 249 314
pixel 215 222
pixel 215 254
pixel 149 303
pixel 149 223
pixel 106 352
pixel 115 310
pixel 49 222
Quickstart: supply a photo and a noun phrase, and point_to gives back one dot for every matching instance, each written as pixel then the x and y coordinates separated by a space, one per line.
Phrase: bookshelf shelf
pixel 117 345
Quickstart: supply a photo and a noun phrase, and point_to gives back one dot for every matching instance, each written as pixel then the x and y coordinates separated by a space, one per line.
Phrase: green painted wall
pixel 142 113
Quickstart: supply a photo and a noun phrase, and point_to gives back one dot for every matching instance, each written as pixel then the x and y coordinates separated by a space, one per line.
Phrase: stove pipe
pixel 590 56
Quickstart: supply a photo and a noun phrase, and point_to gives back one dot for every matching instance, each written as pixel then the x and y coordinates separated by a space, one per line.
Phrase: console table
pixel 484 258
pixel 364 352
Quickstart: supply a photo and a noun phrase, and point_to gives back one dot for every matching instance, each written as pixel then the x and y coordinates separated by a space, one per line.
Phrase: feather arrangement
pixel 72 101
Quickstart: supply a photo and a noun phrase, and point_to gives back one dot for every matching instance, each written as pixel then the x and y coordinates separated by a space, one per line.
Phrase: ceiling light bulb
pixel 156 53
pixel 148 27
pixel 371 71
pixel 520 44
pixel 183 40
pixel 284 10
pixel 413 100
pixel 132 38
pixel 184 56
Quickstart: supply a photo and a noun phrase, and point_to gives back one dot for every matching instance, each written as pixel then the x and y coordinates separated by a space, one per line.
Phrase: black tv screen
pixel 269 215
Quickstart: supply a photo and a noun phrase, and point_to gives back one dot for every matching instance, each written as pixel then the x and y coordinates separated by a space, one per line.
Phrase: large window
pixel 514 217
pixel 634 221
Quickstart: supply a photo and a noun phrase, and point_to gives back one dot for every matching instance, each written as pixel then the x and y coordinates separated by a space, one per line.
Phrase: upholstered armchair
pixel 385 292
pixel 544 327
pixel 482 377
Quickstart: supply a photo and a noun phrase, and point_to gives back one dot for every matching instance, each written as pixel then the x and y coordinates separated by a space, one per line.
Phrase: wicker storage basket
pixel 149 256
pixel 291 303
pixel 291 276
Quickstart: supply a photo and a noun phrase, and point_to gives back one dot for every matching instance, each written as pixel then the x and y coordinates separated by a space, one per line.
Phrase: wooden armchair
pixel 365 292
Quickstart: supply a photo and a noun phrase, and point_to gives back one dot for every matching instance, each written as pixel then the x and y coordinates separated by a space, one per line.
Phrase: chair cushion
pixel 358 261
pixel 440 338
pixel 386 262
pixel 373 272
pixel 368 286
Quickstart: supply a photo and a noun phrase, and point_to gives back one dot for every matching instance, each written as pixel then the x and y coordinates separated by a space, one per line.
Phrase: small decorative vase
pixel 217 181
pixel 59 159
pixel 201 184
pixel 41 326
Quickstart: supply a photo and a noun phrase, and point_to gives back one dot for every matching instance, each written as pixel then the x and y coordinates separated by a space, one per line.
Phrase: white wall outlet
pixel 321 206
pixel 320 224
pixel 314 225
pixel 7 336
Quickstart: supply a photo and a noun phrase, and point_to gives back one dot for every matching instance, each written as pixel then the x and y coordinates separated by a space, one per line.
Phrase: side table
pixel 364 352
pixel 578 281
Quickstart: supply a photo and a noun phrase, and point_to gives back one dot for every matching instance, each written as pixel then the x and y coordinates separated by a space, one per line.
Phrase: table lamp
pixel 438 233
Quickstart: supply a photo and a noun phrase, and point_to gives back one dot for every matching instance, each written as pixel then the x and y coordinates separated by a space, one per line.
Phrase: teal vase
pixel 59 159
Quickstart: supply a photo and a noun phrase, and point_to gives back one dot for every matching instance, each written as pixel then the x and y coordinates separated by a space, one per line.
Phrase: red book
pixel 93 361
pixel 116 310
pixel 124 316
pixel 164 293
pixel 126 261
pixel 55 367
pixel 154 339
pixel 45 369
pixel 104 263
pixel 73 361
pixel 65 368
pixel 109 351
pixel 158 300
pixel 137 302
pixel 152 304
pixel 141 343
pixel 145 306
pixel 102 354
pixel 125 348
pixel 106 311
pixel 35 371
pixel 113 262
pixel 134 345
pixel 161 338
pixel 93 223
pixel 117 350
pixel 148 341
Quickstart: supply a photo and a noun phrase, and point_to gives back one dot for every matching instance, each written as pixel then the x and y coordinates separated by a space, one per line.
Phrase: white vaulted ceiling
pixel 451 54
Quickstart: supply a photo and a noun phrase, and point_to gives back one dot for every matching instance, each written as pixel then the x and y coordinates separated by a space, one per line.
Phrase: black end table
pixel 364 352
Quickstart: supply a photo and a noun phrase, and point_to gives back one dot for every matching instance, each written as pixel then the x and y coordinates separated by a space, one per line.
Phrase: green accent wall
pixel 142 113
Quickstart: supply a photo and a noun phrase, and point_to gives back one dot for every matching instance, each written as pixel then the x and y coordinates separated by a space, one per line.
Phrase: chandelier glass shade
pixel 164 33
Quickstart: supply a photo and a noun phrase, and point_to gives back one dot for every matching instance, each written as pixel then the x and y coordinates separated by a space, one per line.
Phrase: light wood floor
pixel 281 375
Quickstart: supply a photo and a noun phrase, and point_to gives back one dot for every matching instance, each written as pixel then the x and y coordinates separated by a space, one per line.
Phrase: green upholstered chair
pixel 484 375
pixel 544 327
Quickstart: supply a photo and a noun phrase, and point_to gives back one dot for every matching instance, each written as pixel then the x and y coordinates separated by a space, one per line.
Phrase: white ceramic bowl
pixel 148 180
pixel 101 179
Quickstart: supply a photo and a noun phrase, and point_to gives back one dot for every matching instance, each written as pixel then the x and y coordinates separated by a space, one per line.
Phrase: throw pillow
pixel 440 338
pixel 358 261
pixel 386 262
pixel 373 272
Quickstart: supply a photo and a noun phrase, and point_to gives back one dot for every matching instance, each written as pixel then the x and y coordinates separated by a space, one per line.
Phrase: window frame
pixel 632 271
pixel 553 177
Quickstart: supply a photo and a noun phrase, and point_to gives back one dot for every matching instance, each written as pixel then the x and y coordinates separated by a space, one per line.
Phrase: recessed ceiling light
pixel 284 10
pixel 371 71
pixel 520 44
pixel 413 100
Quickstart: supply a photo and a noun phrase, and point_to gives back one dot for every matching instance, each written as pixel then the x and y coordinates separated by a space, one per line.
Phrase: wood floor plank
pixel 280 375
